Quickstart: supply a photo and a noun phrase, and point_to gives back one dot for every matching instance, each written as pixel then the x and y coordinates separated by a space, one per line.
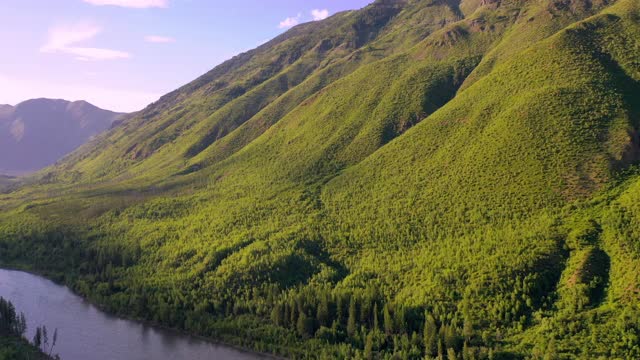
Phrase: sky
pixel 124 54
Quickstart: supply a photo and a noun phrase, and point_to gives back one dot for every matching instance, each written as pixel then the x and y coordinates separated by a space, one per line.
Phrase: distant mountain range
pixel 36 133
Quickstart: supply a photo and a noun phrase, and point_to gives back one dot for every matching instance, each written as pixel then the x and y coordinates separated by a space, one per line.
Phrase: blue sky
pixel 124 54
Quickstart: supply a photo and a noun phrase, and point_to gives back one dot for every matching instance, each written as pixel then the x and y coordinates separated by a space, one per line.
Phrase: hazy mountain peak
pixel 37 132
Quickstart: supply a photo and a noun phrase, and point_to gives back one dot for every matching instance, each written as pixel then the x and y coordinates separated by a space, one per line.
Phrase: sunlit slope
pixel 547 127
pixel 550 125
pixel 261 85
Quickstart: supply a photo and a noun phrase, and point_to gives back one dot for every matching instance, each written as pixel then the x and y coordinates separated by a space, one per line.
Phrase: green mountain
pixel 415 179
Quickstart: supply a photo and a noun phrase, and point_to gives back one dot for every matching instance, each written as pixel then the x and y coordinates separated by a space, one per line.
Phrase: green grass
pixel 329 193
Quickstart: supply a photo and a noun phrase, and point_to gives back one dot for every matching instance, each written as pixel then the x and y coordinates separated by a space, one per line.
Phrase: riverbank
pixel 15 348
pixel 62 280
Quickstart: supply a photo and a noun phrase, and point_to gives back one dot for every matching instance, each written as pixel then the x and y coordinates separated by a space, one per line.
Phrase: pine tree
pixel 388 320
pixel 401 321
pixel 351 322
pixel 451 354
pixel 303 325
pixel 467 352
pixel 45 338
pixel 430 335
pixel 276 315
pixel 451 339
pixel 376 322
pixel 55 340
pixel 365 311
pixel 551 353
pixel 368 347
pixel 293 316
pixel 22 325
pixel 340 309
pixel 467 330
pixel 286 312
pixel 37 338
pixel 323 312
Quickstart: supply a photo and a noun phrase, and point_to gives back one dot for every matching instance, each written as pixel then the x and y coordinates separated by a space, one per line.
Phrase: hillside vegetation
pixel 416 179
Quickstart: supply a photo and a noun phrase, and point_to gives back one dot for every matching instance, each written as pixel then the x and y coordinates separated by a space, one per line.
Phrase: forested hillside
pixel 416 179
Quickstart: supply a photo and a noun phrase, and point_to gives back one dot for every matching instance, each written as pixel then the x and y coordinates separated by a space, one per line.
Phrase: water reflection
pixel 85 332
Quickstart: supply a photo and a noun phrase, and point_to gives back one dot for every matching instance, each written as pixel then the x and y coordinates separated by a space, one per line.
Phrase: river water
pixel 87 333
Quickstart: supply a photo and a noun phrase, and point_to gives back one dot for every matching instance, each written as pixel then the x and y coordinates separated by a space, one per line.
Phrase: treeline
pixel 13 344
pixel 11 323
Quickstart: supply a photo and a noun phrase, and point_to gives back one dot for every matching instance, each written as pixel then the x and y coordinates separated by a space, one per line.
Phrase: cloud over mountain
pixel 64 39
pixel 137 4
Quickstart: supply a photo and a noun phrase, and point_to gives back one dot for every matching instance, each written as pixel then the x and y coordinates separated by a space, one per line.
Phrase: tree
pixel 376 322
pixel 388 320
pixel 467 330
pixel 451 338
pixel 37 338
pixel 323 312
pixel 365 310
pixel 45 338
pixel 451 354
pixel 22 325
pixel 430 335
pixel 293 317
pixel 339 309
pixel 368 347
pixel 401 321
pixel 276 315
pixel 304 325
pixel 351 322
pixel 551 353
pixel 55 340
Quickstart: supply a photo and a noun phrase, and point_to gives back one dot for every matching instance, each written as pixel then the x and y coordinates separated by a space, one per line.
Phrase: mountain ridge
pixel 38 132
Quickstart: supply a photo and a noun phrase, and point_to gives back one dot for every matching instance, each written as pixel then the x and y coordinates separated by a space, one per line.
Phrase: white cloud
pixel 319 14
pixel 64 39
pixel 290 22
pixel 138 4
pixel 15 90
pixel 159 39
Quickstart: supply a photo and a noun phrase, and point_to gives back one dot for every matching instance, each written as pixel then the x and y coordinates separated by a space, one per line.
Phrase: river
pixel 87 333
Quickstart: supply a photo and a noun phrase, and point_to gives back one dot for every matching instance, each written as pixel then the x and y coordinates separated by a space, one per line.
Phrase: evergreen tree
pixel 37 338
pixel 351 322
pixel 54 341
pixel 451 354
pixel 340 309
pixel 551 352
pixel 276 315
pixel 451 339
pixel 293 316
pixel 400 321
pixel 323 312
pixel 368 347
pixel 430 335
pixel 467 330
pixel 365 311
pixel 376 322
pixel 286 313
pixel 388 320
pixel 302 326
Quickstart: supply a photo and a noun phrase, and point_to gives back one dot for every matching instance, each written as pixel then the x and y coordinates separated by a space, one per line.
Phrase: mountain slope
pixel 451 178
pixel 36 133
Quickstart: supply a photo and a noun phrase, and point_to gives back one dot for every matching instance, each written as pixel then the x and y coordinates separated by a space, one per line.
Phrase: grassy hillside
pixel 415 179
